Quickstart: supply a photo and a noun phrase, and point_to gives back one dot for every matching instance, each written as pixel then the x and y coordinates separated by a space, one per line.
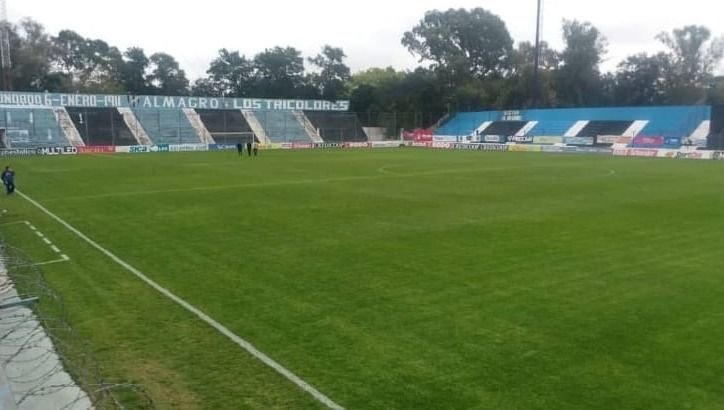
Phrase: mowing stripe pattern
pixel 319 396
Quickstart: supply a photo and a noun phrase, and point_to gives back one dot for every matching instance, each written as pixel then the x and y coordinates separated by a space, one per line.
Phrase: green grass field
pixel 393 279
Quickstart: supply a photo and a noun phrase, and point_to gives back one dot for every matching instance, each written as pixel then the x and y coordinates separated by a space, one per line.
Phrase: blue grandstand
pixel 680 122
pixel 31 127
pixel 166 126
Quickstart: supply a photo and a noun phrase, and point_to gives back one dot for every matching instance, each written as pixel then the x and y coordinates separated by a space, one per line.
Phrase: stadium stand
pixel 282 126
pixel 167 126
pixel 101 126
pixel 227 126
pixel 504 128
pixel 337 127
pixel 26 127
pixel 596 128
pixel 669 122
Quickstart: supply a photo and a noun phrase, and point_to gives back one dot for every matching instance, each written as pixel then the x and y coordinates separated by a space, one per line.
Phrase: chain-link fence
pixel 45 362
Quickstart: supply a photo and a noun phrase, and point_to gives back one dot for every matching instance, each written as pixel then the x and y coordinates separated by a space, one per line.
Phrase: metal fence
pixel 47 364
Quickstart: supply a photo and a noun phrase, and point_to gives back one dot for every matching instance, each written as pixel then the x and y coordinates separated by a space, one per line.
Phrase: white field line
pixel 14 223
pixel 198 313
pixel 65 259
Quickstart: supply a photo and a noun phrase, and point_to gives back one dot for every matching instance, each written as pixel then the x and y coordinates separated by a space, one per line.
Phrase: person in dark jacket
pixel 8 178
pixel 240 149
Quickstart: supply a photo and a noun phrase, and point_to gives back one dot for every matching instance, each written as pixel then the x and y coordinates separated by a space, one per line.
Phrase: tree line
pixel 467 60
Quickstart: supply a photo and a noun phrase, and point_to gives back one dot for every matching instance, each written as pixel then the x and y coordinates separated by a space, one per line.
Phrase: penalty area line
pixel 258 354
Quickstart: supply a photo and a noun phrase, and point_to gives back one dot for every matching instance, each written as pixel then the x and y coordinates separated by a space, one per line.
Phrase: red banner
pixel 419 135
pixel 97 149
pixel 302 145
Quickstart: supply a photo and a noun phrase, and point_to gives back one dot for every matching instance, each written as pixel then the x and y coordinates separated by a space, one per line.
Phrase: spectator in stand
pixel 8 177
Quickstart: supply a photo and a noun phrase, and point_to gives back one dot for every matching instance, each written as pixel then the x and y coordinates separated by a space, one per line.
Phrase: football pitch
pixel 391 279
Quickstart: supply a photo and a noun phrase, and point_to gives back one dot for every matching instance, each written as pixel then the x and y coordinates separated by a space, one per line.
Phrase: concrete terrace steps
pixel 198 125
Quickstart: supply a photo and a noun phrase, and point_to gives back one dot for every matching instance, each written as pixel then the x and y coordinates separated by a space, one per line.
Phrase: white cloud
pixel 369 31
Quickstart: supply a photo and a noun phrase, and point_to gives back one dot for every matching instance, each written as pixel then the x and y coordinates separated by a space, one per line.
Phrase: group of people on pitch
pixel 250 147
pixel 8 177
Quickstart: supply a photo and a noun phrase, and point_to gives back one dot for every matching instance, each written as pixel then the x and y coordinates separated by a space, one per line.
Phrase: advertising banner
pixel 494 139
pixel 479 147
pixel 97 149
pixel 366 145
pixel 695 155
pixel 717 155
pixel 446 138
pixel 327 145
pixel 635 152
pixel 18 152
pixel 218 147
pixel 302 145
pixel 442 145
pixel 419 134
pixel 385 144
pixel 583 141
pixel 613 139
pixel 643 141
pixel 520 139
pixel 525 148
pixel 672 142
pixel 57 151
pixel 139 149
pixel 188 147
pixel 548 140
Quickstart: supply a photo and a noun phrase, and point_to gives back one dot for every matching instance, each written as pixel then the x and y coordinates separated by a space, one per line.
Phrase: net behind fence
pixel 45 362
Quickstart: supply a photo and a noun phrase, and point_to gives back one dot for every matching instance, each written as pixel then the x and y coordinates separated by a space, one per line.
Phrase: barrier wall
pixel 684 153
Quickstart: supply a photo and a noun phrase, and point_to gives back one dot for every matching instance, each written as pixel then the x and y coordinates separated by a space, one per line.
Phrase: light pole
pixel 536 88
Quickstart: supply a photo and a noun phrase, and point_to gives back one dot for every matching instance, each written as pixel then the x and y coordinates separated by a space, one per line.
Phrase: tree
pixel 578 79
pixel 462 44
pixel 693 55
pixel 166 77
pixel 133 71
pixel 640 80
pixel 231 74
pixel 30 55
pixel 280 73
pixel 517 92
pixel 333 73
pixel 91 65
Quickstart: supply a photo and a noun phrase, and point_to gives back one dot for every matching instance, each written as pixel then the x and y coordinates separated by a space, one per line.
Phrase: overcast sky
pixel 369 30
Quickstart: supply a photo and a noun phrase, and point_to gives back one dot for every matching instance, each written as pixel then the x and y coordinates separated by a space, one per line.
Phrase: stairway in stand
pixel 256 127
pixel 135 126
pixel 198 125
pixel 66 124
pixel 308 127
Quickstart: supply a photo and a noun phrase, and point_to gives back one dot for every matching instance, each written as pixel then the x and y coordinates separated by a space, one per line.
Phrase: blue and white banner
pixel 46 100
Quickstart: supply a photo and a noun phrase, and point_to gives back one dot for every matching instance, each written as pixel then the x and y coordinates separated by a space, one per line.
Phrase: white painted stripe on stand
pixel 198 313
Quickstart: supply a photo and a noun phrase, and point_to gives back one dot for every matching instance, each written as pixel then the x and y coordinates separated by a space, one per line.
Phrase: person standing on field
pixel 255 148
pixel 240 149
pixel 248 148
pixel 8 177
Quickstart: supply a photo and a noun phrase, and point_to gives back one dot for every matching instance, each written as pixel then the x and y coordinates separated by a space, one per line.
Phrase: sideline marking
pixel 63 257
pixel 201 315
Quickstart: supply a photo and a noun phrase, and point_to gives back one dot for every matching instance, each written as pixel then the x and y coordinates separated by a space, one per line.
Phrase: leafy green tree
pixel 166 77
pixel 333 73
pixel 280 73
pixel 640 80
pixel 133 71
pixel 462 44
pixel 231 74
pixel 579 78
pixel 693 55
